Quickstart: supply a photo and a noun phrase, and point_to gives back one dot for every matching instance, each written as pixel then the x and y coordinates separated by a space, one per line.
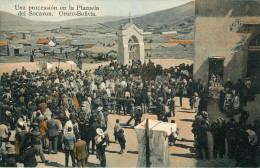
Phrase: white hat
pixel 99 108
pixel 20 122
pixel 99 131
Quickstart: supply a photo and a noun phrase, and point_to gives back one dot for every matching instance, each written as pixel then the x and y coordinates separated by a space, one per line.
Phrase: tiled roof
pixel 182 41
pixel 43 41
pixel 3 44
pixel 74 33
pixel 88 45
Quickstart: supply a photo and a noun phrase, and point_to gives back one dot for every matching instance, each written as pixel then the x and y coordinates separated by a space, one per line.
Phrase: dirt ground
pixel 33 66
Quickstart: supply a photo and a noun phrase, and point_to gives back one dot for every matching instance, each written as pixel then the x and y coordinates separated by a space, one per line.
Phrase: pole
pixel 147 144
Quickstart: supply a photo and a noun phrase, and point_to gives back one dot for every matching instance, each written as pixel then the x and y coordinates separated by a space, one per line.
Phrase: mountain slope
pixel 168 16
pixel 12 22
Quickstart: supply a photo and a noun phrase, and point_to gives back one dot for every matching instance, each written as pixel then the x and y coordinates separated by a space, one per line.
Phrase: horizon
pixel 109 8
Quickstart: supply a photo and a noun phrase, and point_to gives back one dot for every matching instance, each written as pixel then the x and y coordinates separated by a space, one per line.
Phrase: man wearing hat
pixel 217 130
pixel 69 140
pixel 101 142
pixel 196 102
pixel 202 138
pixel 53 133
pixel 36 138
pixel 101 117
pixel 105 101
pixel 132 112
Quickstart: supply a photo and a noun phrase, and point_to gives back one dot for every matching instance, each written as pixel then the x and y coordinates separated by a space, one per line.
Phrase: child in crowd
pixel 121 140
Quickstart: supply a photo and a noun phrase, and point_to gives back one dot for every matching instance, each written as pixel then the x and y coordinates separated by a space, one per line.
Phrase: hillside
pixel 170 16
pixel 12 22
pixel 163 20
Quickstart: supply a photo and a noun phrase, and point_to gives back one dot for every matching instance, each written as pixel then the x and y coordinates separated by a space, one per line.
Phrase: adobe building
pixel 227 40
pixel 130 44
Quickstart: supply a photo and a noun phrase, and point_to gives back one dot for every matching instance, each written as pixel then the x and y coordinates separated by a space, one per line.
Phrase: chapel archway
pixel 130 44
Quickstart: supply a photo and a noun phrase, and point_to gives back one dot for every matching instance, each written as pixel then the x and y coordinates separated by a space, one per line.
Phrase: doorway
pixel 16 51
pixel 253 63
pixel 216 68
pixel 253 69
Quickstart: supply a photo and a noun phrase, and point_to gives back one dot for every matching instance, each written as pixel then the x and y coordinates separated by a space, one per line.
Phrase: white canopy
pixel 158 142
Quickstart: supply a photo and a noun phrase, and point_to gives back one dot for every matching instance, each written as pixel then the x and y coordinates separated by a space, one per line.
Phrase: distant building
pixel 148 33
pixel 88 45
pixel 16 49
pixel 4 48
pixel 23 34
pixel 46 41
pixel 170 32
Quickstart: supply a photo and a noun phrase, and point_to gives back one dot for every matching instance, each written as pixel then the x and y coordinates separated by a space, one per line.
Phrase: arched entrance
pixel 253 62
pixel 134 48
pixel 130 44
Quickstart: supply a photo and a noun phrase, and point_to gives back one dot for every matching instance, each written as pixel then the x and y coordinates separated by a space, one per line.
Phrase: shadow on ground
pixel 185 140
pixel 186 111
pixel 54 164
pixel 187 120
pixel 183 146
pixel 92 165
pixel 186 155
pixel 132 152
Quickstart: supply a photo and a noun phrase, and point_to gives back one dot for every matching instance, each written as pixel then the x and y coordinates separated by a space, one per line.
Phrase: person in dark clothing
pixel 171 105
pixel 231 135
pixel 121 140
pixel 66 55
pixel 105 102
pixel 31 58
pixel 243 118
pixel 138 115
pixel 69 141
pixel 217 130
pixel 101 142
pixel 53 133
pixel 202 139
pixel 181 94
pixel 36 137
pixel 28 157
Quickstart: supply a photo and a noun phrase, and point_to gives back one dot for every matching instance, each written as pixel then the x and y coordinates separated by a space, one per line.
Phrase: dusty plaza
pixel 130 84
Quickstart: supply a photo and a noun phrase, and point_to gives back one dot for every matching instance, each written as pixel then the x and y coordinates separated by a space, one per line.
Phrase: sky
pixel 106 7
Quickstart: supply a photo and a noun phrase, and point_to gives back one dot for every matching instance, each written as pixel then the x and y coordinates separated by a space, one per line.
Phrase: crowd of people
pixel 234 97
pixel 66 110
pixel 240 138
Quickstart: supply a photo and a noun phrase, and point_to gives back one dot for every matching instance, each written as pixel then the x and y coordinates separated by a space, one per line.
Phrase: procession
pixel 67 111
pixel 175 87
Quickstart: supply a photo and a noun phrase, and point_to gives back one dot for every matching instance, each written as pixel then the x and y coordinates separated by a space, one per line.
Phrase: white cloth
pixel 102 86
pixel 3 131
